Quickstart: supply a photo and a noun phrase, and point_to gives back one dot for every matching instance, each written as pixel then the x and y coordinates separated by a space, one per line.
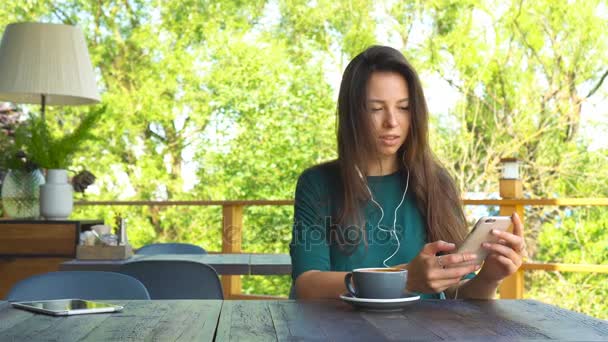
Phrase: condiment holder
pixel 99 244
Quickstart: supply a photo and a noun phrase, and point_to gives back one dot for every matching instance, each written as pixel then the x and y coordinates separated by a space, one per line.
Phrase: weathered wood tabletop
pixel 151 320
pixel 224 264
pixel 206 320
pixel 464 320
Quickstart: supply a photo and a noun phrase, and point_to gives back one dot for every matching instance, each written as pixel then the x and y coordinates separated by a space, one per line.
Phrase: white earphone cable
pixel 392 232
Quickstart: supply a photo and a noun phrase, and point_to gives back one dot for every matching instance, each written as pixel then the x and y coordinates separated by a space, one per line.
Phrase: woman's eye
pixel 405 108
pixel 376 109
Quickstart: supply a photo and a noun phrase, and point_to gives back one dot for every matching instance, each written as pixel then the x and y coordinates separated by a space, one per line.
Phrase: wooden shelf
pixel 29 247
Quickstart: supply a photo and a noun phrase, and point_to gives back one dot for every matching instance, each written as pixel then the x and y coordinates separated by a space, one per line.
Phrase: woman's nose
pixel 390 118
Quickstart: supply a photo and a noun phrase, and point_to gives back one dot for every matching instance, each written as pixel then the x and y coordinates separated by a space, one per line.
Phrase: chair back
pixel 78 284
pixel 171 248
pixel 176 279
pixel 292 291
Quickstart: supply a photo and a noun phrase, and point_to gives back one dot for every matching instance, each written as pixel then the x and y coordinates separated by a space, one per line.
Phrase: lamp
pixel 510 182
pixel 46 64
pixel 510 168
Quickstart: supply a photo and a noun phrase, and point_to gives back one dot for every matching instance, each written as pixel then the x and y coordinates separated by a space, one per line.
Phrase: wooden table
pixel 432 320
pixel 201 320
pixel 224 264
pixel 158 320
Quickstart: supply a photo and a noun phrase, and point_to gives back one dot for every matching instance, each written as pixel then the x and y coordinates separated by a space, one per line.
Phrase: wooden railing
pixel 232 211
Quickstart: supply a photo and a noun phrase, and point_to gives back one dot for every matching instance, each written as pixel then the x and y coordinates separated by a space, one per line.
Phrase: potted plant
pixel 55 153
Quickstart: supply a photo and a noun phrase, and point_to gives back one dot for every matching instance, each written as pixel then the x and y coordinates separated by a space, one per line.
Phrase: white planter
pixel 56 196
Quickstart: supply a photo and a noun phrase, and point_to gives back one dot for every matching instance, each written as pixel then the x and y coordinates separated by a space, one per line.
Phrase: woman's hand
pixel 506 256
pixel 429 273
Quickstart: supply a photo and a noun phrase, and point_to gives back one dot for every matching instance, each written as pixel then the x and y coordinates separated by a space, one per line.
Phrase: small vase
pixel 56 196
pixel 20 193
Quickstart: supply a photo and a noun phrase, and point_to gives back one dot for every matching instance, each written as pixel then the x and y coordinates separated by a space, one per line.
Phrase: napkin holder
pixel 104 252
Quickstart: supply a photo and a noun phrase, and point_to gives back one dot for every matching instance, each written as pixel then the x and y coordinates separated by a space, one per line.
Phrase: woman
pixel 386 200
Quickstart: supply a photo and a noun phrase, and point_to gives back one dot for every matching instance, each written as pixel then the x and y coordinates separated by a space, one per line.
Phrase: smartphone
pixel 481 233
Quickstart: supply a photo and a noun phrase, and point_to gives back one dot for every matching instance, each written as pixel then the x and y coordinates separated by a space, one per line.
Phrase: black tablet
pixel 67 307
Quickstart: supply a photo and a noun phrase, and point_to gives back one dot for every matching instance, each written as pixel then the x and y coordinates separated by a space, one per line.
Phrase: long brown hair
pixel 437 196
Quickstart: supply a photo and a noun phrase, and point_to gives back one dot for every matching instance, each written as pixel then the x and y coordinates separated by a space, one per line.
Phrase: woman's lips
pixel 389 140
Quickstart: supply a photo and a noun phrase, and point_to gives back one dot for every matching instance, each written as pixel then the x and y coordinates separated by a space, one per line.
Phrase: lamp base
pixel 511 188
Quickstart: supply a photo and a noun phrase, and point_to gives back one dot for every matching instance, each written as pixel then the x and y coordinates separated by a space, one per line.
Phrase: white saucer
pixel 393 304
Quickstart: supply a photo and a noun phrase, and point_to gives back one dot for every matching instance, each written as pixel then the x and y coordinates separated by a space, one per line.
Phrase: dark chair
pixel 78 284
pixel 292 291
pixel 176 279
pixel 171 248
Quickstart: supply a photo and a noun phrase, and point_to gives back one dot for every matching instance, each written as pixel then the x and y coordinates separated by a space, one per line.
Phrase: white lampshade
pixel 46 59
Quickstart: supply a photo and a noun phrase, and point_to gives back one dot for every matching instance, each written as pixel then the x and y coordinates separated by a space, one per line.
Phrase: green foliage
pixel 49 151
pixel 574 237
pixel 577 236
pixel 11 158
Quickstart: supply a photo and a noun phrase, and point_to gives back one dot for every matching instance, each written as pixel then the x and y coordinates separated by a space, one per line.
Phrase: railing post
pixel 232 228
pixel 511 187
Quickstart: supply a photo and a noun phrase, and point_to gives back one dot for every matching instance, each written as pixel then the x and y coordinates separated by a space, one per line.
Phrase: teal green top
pixel 317 199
